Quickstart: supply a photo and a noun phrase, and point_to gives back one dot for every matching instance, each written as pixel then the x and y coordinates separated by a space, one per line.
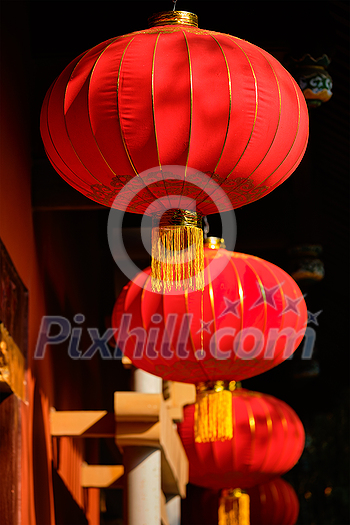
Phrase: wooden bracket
pixel 102 476
pixel 144 420
pixel 82 423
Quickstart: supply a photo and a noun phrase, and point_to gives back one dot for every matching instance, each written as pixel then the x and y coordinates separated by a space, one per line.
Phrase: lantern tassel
pixel 177 252
pixel 213 411
pixel 234 508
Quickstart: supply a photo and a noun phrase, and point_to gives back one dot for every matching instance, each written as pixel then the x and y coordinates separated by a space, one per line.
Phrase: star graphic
pixel 292 304
pixel 231 307
pixel 312 318
pixel 267 296
pixel 205 326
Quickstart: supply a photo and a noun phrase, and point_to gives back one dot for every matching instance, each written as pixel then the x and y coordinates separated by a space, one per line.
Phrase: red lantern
pixel 268 439
pixel 273 503
pixel 175 95
pixel 250 317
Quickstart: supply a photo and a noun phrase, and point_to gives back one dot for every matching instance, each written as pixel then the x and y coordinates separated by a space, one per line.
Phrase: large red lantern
pixel 250 317
pixel 273 503
pixel 221 109
pixel 268 439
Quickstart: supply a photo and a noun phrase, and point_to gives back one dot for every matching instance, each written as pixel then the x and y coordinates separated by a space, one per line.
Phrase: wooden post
pixel 142 468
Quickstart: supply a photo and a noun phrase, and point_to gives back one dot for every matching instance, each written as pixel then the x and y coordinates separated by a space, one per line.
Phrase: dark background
pixel 310 207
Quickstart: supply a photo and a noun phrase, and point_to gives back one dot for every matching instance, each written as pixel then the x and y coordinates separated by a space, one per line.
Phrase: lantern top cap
pixel 173 18
pixel 214 243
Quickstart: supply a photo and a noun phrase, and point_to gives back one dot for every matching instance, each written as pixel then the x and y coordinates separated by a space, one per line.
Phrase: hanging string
pixel 206 227
pixel 174 2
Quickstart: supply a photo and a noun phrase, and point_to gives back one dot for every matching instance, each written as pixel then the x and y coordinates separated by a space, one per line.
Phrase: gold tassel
pixel 213 411
pixel 177 251
pixel 234 508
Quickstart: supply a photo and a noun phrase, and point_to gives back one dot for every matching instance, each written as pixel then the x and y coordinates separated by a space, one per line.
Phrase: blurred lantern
pixel 267 440
pixel 250 317
pixel 272 503
pixel 223 111
pixel 313 79
pixel 306 266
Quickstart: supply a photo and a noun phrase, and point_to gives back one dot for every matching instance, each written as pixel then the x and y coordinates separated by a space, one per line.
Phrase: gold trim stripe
pixel 290 149
pixel 153 108
pixel 256 107
pixel 191 104
pixel 64 101
pixel 269 424
pixel 118 110
pixel 120 124
pixel 229 112
pixel 211 299
pixel 275 134
pixel 88 113
pixel 65 125
pixel 191 339
pixel 230 100
pixel 241 299
pixel 252 426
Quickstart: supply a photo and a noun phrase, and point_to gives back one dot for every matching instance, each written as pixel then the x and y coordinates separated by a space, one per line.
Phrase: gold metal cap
pixel 177 217
pixel 173 18
pixel 214 243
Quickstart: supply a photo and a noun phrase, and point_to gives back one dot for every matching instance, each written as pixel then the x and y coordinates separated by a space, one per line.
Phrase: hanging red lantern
pixel 175 95
pixel 267 440
pixel 250 317
pixel 273 503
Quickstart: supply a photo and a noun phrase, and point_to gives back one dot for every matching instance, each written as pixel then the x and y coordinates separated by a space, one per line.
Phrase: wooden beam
pixel 137 407
pixel 101 476
pixel 153 428
pixel 82 423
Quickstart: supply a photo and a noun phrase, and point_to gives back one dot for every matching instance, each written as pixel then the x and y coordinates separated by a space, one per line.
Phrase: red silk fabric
pixel 273 503
pixel 174 95
pixel 256 318
pixel 268 439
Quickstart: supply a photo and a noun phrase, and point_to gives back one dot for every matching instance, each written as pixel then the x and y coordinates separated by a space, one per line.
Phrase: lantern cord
pixel 206 227
pixel 174 2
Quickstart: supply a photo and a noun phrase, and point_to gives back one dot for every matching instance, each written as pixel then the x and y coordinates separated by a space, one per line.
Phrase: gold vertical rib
pixel 290 149
pixel 230 100
pixel 229 112
pixel 191 102
pixel 241 299
pixel 118 110
pixel 98 147
pixel 268 267
pixel 65 124
pixel 269 425
pixel 252 427
pixel 262 289
pixel 275 134
pixel 256 105
pixel 191 338
pixel 153 107
pixel 212 306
